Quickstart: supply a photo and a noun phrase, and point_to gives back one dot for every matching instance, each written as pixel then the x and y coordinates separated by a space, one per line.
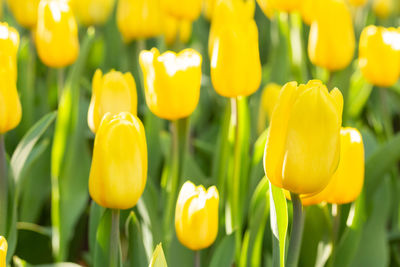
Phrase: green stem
pixel 296 233
pixel 335 230
pixel 3 187
pixel 197 259
pixel 60 82
pixel 114 239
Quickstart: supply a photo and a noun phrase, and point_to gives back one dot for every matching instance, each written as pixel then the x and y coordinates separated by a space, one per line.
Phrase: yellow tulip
pixel 303 145
pixel 208 8
pixel 196 216
pixel 114 93
pixel 138 19
pixel 182 9
pixel 347 182
pixel 174 29
pixel 10 105
pixel 233 48
pixel 56 34
pixel 379 55
pixel 382 8
pixel 119 166
pixel 309 9
pixel 172 82
pixel 266 7
pixel 92 12
pixel 24 11
pixel 269 98
pixel 286 5
pixel 331 41
pixel 3 251
pixel 358 3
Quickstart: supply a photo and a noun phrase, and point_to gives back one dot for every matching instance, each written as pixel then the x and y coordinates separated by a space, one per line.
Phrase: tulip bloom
pixel 182 9
pixel 24 11
pixel 347 182
pixel 379 55
pixel 303 145
pixel 92 12
pixel 172 82
pixel 56 34
pixel 357 3
pixel 174 28
pixel 3 251
pixel 285 5
pixel 309 9
pixel 114 92
pixel 10 105
pixel 119 167
pixel 208 8
pixel 196 216
pixel 266 7
pixel 331 41
pixel 382 8
pixel 138 19
pixel 269 98
pixel 233 48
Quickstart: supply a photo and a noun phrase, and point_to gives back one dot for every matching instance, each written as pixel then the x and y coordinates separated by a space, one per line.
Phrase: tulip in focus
pixel 24 11
pixel 113 92
pixel 137 19
pixel 347 182
pixel 382 8
pixel 56 34
pixel 196 216
pixel 3 251
pixel 182 9
pixel 119 166
pixel 303 145
pixel 172 82
pixel 233 48
pixel 379 55
pixel 176 29
pixel 92 12
pixel 331 41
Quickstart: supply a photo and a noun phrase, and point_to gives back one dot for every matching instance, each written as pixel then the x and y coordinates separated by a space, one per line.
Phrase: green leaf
pixel 96 213
pixel 136 250
pixel 224 255
pixel 279 224
pixel 158 259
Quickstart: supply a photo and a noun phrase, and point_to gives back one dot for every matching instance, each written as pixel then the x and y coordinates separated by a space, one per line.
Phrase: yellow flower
pixel 382 8
pixel 347 182
pixel 174 28
pixel 269 98
pixel 3 251
pixel 182 9
pixel 309 9
pixel 172 82
pixel 233 48
pixel 303 145
pixel 114 93
pixel 331 41
pixel 266 7
pixel 119 167
pixel 208 8
pixel 379 55
pixel 138 19
pixel 286 5
pixel 56 34
pixel 92 12
pixel 357 3
pixel 196 216
pixel 24 11
pixel 10 105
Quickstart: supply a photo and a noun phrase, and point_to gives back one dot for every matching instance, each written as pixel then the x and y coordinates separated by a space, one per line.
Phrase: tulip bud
pixel 182 9
pixel 196 216
pixel 309 9
pixel 56 34
pixel 3 251
pixel 119 166
pixel 24 11
pixel 114 93
pixel 266 7
pixel 331 41
pixel 269 97
pixel 139 19
pixel 10 105
pixel 208 8
pixel 92 12
pixel 382 8
pixel 303 145
pixel 347 182
pixel 233 48
pixel 174 29
pixel 357 3
pixel 379 55
pixel 286 5
pixel 171 82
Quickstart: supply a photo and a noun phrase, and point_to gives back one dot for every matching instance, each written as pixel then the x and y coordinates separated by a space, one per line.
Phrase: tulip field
pixel 204 133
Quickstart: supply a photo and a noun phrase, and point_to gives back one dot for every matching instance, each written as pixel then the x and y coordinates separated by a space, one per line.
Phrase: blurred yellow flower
pixel 196 216
pixel 119 166
pixel 269 98
pixel 57 40
pixel 172 82
pixel 358 3
pixel 303 145
pixel 208 8
pixel 379 55
pixel 285 5
pixel 382 8
pixel 266 7
pixel 174 29
pixel 112 93
pixel 182 9
pixel 3 251
pixel 347 182
pixel 233 48
pixel 24 11
pixel 137 19
pixel 92 12
pixel 331 41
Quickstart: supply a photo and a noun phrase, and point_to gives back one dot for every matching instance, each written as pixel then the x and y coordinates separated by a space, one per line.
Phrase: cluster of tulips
pixel 308 153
